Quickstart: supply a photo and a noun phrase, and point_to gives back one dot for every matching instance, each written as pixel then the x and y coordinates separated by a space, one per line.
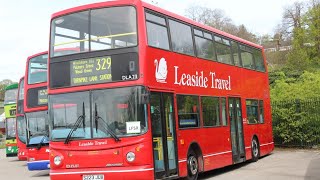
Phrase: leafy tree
pixel 3 84
pixel 298 60
pixel 292 18
pixel 300 27
pixel 312 21
pixel 276 60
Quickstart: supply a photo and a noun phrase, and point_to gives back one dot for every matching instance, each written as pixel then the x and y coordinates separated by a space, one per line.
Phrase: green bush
pixel 296 124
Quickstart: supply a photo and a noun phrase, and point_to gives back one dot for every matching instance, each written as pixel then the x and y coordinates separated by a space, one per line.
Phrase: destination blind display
pixel 42 97
pixel 37 97
pixel 91 71
pixel 12 112
pixel 95 70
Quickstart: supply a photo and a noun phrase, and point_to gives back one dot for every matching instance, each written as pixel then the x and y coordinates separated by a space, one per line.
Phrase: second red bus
pixel 36 111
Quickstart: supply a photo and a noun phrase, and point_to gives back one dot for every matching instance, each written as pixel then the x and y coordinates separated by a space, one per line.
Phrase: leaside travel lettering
pixel 200 80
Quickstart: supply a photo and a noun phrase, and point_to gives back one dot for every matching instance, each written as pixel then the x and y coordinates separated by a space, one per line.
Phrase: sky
pixel 24 25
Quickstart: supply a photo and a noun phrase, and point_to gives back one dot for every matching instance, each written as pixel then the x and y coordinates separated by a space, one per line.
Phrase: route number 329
pixel 103 63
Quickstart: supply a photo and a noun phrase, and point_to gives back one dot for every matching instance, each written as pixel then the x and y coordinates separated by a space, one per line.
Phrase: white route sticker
pixel 133 127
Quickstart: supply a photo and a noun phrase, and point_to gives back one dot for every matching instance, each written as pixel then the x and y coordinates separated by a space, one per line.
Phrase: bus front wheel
pixel 193 166
pixel 255 150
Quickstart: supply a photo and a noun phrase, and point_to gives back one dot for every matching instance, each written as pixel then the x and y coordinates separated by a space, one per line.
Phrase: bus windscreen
pixel 96 29
pixel 10 96
pixel 37 72
pixel 11 128
pixel 37 126
pixel 21 129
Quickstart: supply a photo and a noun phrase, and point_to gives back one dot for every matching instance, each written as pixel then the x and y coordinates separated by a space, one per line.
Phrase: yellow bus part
pixel 97 38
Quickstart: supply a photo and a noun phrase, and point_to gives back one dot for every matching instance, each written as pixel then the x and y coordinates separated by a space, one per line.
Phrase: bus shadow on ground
pixel 23 164
pixel 13 160
pixel 217 172
pixel 41 173
pixel 313 170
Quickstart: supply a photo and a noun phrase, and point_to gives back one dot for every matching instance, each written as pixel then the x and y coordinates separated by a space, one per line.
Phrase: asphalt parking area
pixel 280 165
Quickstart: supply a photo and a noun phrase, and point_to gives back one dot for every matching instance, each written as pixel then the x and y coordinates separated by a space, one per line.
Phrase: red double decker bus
pixel 36 111
pixel 152 95
pixel 21 134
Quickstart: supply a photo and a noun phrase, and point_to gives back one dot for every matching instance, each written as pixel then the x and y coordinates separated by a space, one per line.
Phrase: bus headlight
pixel 57 160
pixel 131 156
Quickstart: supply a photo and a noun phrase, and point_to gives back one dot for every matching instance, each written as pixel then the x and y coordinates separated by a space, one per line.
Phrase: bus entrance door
pixel 163 134
pixel 236 130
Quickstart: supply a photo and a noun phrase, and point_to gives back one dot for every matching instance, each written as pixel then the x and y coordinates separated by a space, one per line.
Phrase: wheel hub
pixel 255 148
pixel 193 165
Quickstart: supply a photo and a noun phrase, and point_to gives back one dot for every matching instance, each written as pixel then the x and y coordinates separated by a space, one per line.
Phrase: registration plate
pixel 93 177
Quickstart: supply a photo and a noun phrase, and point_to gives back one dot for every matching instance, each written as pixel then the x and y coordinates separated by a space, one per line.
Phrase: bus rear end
pixel 36 111
pixel 97 101
pixel 21 134
pixel 10 100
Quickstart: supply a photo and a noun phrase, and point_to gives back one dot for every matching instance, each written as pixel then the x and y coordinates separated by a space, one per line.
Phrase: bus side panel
pixel 248 130
pixel 266 144
pixel 214 144
pixel 218 151
pixel 262 131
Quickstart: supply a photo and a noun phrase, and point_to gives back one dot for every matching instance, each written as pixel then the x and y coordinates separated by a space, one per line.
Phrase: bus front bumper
pixel 22 155
pixel 38 165
pixel 119 173
pixel 11 150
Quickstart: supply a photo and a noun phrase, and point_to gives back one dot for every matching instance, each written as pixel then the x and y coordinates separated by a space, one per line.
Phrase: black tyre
pixel 255 149
pixel 193 166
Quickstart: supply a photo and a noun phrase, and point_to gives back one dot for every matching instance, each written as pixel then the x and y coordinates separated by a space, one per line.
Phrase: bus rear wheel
pixel 255 150
pixel 193 166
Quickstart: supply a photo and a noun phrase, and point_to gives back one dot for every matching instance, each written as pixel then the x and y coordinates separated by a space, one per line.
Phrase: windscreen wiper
pixel 76 125
pixel 41 142
pixel 107 127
